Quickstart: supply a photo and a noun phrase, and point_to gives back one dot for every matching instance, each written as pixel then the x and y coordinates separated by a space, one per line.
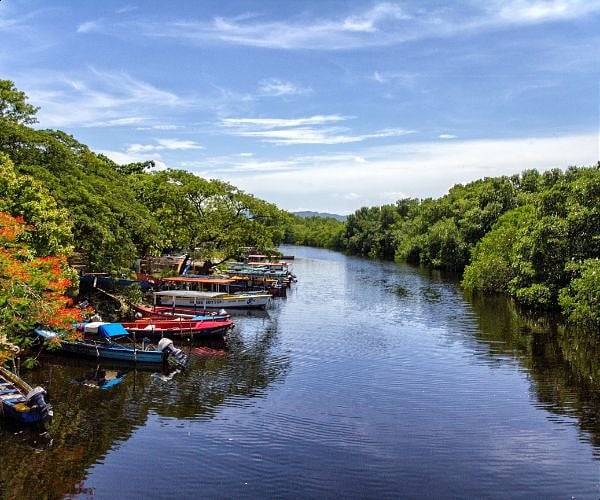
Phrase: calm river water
pixel 370 380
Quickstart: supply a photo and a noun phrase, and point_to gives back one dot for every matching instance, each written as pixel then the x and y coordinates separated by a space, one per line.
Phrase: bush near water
pixel 534 237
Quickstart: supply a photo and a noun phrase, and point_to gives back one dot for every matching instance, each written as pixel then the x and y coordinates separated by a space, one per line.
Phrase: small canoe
pixel 20 402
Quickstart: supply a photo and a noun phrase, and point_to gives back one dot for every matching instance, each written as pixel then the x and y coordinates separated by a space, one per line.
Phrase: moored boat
pixel 20 402
pixel 148 313
pixel 159 328
pixel 200 300
pixel 179 329
pixel 108 349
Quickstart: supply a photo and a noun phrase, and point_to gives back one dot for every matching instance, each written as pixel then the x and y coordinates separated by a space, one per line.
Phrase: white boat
pixel 198 300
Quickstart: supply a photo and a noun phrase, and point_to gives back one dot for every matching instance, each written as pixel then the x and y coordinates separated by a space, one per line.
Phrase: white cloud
pixel 89 27
pixel 403 79
pixel 121 158
pixel 164 144
pixel 367 27
pixel 447 136
pixel 140 148
pixel 419 170
pixel 282 131
pixel 178 144
pixel 273 87
pixel 381 24
pixel 161 127
pixel 268 123
pixel 118 122
pixel 527 11
pixel 98 99
pixel 127 8
pixel 307 135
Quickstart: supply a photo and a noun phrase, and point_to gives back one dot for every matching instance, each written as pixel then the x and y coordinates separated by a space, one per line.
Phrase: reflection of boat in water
pixel 103 374
pixel 101 378
pixel 20 402
pixel 203 351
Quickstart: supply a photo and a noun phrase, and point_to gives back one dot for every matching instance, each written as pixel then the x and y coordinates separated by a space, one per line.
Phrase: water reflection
pixel 400 386
pixel 89 422
pixel 563 364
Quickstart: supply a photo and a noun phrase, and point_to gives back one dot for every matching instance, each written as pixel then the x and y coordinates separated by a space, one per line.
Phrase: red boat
pixel 170 328
pixel 174 328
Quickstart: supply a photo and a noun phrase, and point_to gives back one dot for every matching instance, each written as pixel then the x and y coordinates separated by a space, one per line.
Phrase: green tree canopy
pixel 14 106
pixel 208 218
pixel 22 195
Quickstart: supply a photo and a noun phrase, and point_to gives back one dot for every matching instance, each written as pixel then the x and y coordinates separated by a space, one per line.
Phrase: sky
pixel 322 105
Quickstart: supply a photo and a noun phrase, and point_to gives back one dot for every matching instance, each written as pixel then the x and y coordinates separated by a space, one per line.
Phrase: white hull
pixel 226 302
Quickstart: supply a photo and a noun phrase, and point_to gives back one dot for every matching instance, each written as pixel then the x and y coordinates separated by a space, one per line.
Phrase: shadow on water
pixel 563 364
pixel 89 421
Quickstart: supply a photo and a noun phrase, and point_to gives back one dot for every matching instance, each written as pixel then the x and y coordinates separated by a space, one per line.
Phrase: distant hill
pixel 320 214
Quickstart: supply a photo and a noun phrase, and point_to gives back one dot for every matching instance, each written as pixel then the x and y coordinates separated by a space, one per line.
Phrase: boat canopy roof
pixel 189 294
pixel 109 330
pixel 268 264
pixel 204 281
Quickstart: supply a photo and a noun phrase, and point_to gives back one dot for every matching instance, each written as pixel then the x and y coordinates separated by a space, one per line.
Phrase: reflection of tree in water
pixel 563 365
pixel 88 422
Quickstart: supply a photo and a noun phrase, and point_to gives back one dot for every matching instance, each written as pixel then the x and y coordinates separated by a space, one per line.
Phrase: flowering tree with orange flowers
pixel 32 289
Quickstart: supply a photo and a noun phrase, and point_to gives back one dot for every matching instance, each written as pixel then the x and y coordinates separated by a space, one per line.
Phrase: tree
pixel 314 231
pixel 208 218
pixel 14 106
pixel 492 267
pixel 580 301
pixel 32 289
pixel 22 195
pixel 110 227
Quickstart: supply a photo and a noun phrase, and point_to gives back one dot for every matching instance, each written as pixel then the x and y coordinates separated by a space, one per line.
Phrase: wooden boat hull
pixel 20 402
pixel 178 329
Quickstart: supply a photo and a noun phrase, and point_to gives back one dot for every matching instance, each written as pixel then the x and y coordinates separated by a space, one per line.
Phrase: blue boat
pixel 20 402
pixel 105 348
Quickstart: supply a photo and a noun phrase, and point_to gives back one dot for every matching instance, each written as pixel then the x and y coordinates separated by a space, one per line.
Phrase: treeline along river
pixel 370 380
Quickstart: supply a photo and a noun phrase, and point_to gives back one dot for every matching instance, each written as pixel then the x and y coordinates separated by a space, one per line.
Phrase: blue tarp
pixel 112 330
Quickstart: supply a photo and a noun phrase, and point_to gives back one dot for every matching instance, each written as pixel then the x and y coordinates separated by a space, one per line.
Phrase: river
pixel 370 380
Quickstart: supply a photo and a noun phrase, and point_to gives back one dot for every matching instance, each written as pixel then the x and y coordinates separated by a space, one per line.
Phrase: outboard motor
pixel 166 345
pixel 35 397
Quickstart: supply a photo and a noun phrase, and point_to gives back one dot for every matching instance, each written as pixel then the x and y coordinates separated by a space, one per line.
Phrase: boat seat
pixel 14 398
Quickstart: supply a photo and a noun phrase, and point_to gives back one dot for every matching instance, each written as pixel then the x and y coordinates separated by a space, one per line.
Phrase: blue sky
pixel 326 106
